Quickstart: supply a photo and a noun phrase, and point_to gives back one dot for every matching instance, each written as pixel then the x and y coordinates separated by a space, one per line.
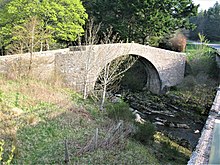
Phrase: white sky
pixel 205 4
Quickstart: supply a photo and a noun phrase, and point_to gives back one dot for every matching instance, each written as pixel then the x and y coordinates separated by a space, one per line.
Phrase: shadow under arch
pixel 144 76
pixel 150 77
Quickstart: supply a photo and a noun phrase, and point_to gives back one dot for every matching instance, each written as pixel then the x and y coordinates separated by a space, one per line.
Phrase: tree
pixel 142 20
pixel 200 22
pixel 65 18
pixel 113 71
pixel 90 38
pixel 211 30
pixel 208 23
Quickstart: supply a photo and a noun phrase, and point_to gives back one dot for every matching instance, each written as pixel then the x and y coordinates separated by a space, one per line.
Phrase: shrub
pixel 119 111
pixel 188 83
pixel 10 155
pixel 177 42
pixel 144 132
pixel 203 60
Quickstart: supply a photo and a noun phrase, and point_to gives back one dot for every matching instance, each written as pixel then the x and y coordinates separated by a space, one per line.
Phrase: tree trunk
pixel 103 97
pixel 32 45
pixel 47 45
pixel 85 88
pixel 41 46
pixel 106 72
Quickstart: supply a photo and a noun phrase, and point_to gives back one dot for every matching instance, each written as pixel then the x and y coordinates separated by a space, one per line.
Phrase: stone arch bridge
pixel 77 66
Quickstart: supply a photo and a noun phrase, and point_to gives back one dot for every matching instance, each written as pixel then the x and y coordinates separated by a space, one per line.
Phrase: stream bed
pixel 179 119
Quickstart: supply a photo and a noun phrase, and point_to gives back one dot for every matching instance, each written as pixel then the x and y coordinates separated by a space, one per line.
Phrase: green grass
pixel 46 139
pixel 196 48
pixel 36 118
pixel 170 152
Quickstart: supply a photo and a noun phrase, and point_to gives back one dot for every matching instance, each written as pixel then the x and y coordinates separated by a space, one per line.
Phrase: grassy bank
pixel 46 124
pixel 38 119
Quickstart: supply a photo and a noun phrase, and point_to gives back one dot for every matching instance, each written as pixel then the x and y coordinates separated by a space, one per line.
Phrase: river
pixel 172 116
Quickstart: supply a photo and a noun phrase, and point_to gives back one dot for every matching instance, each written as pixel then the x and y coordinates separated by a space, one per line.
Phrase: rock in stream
pixel 180 123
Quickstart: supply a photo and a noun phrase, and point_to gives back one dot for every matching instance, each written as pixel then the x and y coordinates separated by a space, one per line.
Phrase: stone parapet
pixel 201 154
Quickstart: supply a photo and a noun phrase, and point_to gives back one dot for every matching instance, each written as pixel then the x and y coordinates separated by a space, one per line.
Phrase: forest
pixel 27 26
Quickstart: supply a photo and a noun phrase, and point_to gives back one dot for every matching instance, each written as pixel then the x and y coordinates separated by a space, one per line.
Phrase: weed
pixel 1 97
pixel 202 59
pixel 170 151
pixel 144 132
pixel 10 156
pixel 17 99
pixel 119 111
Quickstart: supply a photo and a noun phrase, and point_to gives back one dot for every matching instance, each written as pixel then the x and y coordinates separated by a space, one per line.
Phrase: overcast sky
pixel 205 4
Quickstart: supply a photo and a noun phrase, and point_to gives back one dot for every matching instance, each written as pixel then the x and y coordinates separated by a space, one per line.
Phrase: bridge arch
pixel 150 76
pixel 153 82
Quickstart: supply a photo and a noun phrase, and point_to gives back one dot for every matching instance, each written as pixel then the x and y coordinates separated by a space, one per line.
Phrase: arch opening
pixel 142 75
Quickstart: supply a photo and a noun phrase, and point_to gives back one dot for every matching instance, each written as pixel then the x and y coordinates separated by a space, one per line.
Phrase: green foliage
pixel 1 96
pixel 1 149
pixel 119 111
pixel 144 132
pixel 142 20
pixel 10 156
pixel 197 87
pixel 208 23
pixel 197 98
pixel 17 99
pixel 188 83
pixel 62 20
pixel 134 153
pixel 202 61
pixel 170 151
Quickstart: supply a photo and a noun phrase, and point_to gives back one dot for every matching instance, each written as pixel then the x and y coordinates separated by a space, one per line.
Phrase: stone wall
pixel 203 149
pixel 41 67
pixel 218 62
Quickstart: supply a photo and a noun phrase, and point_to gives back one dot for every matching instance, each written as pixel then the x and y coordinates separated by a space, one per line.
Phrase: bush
pixel 144 132
pixel 177 42
pixel 119 111
pixel 203 60
pixel 188 83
